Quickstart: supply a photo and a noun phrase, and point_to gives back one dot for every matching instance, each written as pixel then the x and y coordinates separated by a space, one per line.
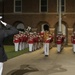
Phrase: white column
pixel 59 15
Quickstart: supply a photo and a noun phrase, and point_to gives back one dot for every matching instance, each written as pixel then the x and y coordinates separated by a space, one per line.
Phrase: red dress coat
pixel 73 39
pixel 16 40
pixel 59 40
pixel 30 40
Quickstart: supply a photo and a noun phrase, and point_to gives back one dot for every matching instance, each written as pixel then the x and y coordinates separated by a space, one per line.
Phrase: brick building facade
pixel 37 13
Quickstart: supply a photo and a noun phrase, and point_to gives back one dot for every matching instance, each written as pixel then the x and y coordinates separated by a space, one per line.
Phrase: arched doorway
pixel 42 26
pixel 20 26
pixel 74 27
pixel 63 30
pixel 45 27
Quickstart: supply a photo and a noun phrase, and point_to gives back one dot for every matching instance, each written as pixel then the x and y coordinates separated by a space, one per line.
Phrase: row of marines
pixel 34 41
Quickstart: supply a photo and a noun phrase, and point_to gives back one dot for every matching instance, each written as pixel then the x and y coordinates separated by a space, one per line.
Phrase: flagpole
pixel 59 15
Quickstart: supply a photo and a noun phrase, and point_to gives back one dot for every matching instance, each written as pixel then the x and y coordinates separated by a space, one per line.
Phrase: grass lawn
pixel 9 49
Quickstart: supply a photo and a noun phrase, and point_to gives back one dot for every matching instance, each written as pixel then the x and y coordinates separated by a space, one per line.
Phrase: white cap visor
pixel 0 17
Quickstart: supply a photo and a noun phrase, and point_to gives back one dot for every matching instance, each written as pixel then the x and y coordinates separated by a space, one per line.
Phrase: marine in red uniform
pixel 46 40
pixel 73 41
pixel 59 41
pixel 25 38
pixel 16 41
pixel 35 41
pixel 30 42
pixel 21 41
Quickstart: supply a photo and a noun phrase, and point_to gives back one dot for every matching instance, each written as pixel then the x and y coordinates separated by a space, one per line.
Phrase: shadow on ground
pixel 57 69
pixel 23 69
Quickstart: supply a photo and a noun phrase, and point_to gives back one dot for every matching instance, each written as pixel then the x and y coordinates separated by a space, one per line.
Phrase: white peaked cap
pixel 34 32
pixel 31 33
pixel 0 17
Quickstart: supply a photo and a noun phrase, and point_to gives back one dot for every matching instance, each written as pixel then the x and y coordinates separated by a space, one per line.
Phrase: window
pixel 62 5
pixel 43 4
pixel 18 5
pixel 63 2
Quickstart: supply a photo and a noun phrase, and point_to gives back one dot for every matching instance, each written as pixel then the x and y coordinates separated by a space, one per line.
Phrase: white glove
pixel 48 38
pixel 3 23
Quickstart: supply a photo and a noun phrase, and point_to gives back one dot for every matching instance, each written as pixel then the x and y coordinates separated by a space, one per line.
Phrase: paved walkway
pixel 36 63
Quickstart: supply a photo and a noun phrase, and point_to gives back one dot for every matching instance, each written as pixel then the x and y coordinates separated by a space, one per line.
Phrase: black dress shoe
pixel 46 55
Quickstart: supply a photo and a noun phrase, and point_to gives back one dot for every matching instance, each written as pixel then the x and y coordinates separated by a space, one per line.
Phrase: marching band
pixel 24 40
pixel 34 41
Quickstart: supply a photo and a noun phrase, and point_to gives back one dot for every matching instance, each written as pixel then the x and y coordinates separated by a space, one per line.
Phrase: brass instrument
pixel 46 35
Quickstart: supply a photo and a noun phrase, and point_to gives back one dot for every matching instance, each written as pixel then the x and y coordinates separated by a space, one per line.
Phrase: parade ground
pixel 35 63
